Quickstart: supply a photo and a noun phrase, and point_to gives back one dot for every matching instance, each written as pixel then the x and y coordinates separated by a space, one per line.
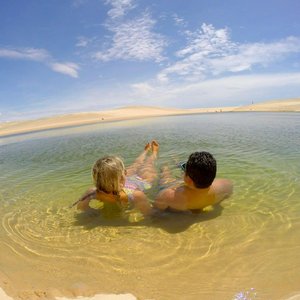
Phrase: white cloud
pixel 207 41
pixel 27 54
pixel 78 3
pixel 250 55
pixel 143 88
pixel 134 40
pixel 69 69
pixel 82 41
pixel 203 45
pixel 41 55
pixel 119 7
pixel 179 21
pixel 210 52
pixel 231 90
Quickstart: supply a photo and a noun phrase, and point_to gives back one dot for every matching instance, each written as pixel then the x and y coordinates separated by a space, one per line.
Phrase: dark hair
pixel 201 168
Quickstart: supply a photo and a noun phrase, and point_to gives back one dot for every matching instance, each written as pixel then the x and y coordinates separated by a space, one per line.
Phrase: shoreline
pixel 90 118
pixel 4 296
pixel 133 113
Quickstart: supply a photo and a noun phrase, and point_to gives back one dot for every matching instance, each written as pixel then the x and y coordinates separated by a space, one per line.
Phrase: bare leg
pixel 166 176
pixel 133 169
pixel 148 171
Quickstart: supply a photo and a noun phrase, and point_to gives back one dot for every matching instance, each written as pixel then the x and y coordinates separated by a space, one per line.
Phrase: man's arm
pixel 163 199
pixel 223 189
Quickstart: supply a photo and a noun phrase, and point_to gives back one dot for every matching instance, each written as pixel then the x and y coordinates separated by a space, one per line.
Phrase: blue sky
pixel 85 55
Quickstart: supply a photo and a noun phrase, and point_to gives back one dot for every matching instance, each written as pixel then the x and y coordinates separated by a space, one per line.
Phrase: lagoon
pixel 246 247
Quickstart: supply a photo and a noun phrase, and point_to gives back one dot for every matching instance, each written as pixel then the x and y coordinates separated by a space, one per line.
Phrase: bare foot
pixel 155 146
pixel 147 147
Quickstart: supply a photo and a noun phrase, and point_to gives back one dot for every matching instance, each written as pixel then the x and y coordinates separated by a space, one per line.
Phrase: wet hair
pixel 107 173
pixel 201 167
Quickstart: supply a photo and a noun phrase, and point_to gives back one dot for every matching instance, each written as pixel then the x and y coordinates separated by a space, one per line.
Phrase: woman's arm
pixel 142 203
pixel 83 202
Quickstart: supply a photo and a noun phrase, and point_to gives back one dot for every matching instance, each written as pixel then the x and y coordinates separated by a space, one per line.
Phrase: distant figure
pixel 199 188
pixel 113 183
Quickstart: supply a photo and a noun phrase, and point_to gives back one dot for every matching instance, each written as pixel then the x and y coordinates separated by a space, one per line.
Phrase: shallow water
pixel 247 248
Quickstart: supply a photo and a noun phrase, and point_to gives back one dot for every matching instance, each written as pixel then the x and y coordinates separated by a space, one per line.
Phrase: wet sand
pixel 3 296
pixel 77 292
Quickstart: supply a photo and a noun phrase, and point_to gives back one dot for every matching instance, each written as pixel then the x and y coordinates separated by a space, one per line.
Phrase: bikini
pixel 134 183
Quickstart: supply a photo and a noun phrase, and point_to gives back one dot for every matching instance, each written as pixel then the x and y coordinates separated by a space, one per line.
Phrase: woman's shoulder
pixel 123 197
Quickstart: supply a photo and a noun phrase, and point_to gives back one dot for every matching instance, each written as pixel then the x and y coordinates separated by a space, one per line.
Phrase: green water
pixel 251 241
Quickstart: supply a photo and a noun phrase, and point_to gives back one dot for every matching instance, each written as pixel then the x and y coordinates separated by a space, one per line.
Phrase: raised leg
pixel 133 169
pixel 148 171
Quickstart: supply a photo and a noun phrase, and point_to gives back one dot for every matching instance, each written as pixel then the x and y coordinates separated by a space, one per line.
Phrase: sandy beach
pixel 136 112
pixel 288 105
pixel 126 113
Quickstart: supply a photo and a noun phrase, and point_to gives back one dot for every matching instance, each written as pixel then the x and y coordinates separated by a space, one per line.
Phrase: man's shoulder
pixel 167 192
pixel 222 183
pixel 223 188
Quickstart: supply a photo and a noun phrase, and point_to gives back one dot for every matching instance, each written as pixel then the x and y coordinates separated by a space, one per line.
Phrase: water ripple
pixel 251 240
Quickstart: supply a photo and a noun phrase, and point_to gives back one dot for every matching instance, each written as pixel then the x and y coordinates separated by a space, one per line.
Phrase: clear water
pixel 248 248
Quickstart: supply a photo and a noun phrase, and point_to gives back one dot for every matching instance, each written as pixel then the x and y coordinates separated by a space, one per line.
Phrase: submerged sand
pixel 3 296
pixel 136 112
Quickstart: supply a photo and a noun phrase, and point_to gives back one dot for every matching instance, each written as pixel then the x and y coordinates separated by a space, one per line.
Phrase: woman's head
pixel 109 174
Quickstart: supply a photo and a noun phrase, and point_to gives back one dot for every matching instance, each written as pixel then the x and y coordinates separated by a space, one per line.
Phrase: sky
pixel 69 56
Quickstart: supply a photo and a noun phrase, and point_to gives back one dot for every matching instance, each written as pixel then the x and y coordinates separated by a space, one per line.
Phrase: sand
pixel 288 105
pixel 135 112
pixel 3 296
pixel 127 113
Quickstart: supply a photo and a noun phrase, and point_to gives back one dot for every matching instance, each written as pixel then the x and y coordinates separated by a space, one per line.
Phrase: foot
pixel 147 147
pixel 155 146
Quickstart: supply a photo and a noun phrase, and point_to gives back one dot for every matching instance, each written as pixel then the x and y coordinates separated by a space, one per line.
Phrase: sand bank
pixel 136 112
pixel 289 105
pixel 126 113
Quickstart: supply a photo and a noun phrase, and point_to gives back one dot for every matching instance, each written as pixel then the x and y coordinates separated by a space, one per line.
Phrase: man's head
pixel 201 168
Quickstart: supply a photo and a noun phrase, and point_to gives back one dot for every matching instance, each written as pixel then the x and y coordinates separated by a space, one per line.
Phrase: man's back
pixel 188 197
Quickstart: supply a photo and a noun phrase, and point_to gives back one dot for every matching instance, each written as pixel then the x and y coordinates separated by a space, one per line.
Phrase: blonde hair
pixel 107 174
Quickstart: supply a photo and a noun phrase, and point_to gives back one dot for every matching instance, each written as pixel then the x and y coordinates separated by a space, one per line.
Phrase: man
pixel 200 188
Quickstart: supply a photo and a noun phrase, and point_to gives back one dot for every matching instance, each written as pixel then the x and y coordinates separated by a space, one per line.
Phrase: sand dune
pixel 126 113
pixel 292 105
pixel 135 112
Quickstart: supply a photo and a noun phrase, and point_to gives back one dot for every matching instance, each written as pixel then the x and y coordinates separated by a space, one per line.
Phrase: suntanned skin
pixel 187 197
pixel 144 167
